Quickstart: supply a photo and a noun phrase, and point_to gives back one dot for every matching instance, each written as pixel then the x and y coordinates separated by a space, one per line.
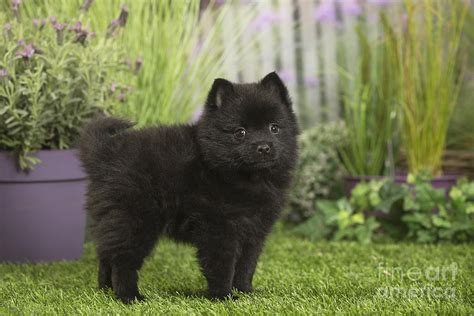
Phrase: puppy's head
pixel 248 127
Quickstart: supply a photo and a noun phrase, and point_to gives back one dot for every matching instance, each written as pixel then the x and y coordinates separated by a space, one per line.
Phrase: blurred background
pixel 383 91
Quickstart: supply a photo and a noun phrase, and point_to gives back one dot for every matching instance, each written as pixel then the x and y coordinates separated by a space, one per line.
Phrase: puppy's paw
pixel 244 288
pixel 129 299
pixel 221 295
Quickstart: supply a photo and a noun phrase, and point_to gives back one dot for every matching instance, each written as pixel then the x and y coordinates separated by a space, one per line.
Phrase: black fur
pixel 199 184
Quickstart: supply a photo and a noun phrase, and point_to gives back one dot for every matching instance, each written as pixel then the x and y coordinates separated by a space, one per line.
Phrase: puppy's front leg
pixel 217 259
pixel 245 266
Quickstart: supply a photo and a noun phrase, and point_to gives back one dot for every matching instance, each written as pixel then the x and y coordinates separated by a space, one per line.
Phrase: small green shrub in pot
pixel 55 75
pixel 319 171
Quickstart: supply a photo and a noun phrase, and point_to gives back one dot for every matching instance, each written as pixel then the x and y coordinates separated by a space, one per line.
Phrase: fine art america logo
pixel 436 281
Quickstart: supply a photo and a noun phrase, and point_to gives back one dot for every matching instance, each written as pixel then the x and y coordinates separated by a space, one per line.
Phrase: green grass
pixel 294 276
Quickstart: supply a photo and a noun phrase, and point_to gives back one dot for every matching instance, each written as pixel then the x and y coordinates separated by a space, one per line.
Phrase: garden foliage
pixel 319 171
pixel 414 211
pixel 369 95
pixel 427 46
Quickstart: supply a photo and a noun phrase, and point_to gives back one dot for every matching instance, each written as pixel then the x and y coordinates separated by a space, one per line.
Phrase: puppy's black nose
pixel 263 149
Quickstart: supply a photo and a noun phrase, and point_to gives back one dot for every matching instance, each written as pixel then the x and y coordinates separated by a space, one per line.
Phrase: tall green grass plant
pixel 430 77
pixel 370 109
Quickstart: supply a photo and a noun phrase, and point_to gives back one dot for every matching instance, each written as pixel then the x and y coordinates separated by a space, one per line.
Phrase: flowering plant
pixel 54 76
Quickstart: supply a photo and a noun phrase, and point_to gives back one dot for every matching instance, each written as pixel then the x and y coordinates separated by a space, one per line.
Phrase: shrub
pixel 338 220
pixel 418 212
pixel 55 75
pixel 319 171
pixel 453 220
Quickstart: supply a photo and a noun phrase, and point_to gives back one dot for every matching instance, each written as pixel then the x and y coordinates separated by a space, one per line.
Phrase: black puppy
pixel 218 184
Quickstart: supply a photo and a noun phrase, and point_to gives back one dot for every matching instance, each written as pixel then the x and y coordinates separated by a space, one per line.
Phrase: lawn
pixel 293 276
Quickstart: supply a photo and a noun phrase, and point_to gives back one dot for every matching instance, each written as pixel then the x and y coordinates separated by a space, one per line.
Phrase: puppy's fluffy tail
pixel 96 146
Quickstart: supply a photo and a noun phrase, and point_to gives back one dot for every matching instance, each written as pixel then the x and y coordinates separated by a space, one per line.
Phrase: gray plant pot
pixel 42 215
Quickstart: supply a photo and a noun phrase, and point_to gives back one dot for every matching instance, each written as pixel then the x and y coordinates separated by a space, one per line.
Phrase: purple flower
pixel 351 7
pixel 77 28
pixel 82 34
pixel 58 27
pixel 86 5
pixel 123 15
pixel 16 8
pixel 16 4
pixel 264 19
pixel 3 73
pixel 21 42
pixel 113 87
pixel 53 19
pixel 81 37
pixel 325 12
pixel 27 52
pixel 39 23
pixel 112 28
pixel 138 65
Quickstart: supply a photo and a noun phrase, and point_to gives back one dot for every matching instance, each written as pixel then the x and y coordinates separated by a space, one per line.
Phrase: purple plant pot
pixel 42 215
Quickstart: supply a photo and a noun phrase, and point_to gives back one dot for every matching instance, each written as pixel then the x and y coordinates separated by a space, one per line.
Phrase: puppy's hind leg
pixel 105 274
pixel 125 278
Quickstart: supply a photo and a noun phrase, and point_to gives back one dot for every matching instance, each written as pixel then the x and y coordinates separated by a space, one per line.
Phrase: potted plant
pixel 369 95
pixel 54 76
pixel 419 81
pixel 430 79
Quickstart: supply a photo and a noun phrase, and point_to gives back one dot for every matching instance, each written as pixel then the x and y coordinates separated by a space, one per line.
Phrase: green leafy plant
pixel 430 77
pixel 54 77
pixel 370 109
pixel 319 171
pixel 415 211
pixel 431 218
pixel 177 45
pixel 338 220
pixel 420 206
pixel 377 195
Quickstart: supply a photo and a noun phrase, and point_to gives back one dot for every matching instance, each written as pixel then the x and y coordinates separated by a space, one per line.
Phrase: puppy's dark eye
pixel 240 133
pixel 274 128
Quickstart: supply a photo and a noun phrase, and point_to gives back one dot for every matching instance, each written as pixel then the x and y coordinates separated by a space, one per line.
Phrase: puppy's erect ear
pixel 220 92
pixel 273 82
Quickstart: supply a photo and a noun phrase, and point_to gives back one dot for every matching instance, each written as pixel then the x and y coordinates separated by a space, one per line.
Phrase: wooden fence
pixel 304 41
